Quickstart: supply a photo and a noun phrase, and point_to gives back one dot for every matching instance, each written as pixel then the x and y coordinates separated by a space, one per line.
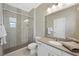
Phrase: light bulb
pixel 49 10
pixel 53 6
pixel 26 21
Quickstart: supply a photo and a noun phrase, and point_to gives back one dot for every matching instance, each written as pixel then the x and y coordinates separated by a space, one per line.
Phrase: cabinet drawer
pixel 55 52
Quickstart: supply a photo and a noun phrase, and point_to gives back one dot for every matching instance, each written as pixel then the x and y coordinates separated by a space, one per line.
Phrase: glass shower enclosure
pixel 17 26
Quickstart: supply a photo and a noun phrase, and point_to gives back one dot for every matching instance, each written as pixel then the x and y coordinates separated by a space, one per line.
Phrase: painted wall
pixel 31 26
pixel 40 19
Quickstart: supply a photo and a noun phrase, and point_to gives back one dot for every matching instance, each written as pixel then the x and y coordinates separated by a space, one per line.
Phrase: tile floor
pixel 20 52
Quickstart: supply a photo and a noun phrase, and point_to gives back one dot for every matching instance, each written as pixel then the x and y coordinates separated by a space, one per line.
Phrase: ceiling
pixel 25 6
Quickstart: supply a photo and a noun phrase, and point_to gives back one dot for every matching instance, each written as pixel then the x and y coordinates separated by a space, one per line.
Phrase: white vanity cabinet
pixel 42 49
pixel 46 50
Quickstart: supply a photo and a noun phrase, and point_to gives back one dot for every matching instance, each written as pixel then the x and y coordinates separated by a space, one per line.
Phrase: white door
pixel 10 26
pixel 59 28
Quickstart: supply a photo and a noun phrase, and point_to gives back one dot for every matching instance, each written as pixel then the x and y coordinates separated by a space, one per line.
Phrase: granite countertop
pixel 45 40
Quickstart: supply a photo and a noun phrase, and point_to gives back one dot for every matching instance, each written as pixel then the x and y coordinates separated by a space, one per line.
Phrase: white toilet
pixel 32 47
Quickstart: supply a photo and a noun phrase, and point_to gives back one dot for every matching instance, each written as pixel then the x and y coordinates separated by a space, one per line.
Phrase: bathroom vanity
pixel 45 48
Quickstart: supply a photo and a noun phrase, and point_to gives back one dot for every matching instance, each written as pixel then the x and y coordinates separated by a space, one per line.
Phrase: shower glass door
pixel 17 31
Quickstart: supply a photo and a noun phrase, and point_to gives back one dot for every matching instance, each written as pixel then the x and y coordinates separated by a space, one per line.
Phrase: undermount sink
pixel 55 43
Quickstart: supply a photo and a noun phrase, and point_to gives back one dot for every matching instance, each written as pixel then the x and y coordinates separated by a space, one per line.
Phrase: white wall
pixel 40 19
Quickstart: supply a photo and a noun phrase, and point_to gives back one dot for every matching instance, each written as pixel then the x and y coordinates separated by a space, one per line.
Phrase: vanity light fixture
pixel 55 7
pixel 59 6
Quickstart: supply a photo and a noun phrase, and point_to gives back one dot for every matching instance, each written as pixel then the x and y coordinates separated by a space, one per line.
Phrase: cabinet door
pixel 42 50
pixel 56 52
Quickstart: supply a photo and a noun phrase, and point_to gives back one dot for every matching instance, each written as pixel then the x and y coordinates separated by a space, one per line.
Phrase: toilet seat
pixel 32 46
